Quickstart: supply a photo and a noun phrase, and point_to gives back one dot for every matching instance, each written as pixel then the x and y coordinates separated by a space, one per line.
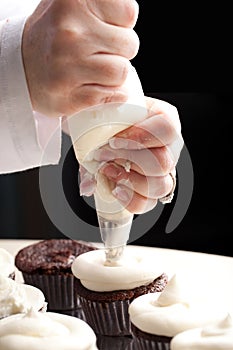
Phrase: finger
pixel 87 184
pixel 91 95
pixel 161 162
pixel 99 69
pixel 132 201
pixel 160 128
pixel 152 132
pixel 121 12
pixel 106 70
pixel 149 162
pixel 167 110
pixel 147 186
pixel 116 40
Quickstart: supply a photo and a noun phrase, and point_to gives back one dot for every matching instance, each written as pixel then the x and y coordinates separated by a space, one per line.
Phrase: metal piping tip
pixel 115 234
pixel 114 254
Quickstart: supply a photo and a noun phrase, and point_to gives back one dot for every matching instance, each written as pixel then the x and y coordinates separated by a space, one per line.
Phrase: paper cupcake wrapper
pixel 58 290
pixel 144 344
pixel 111 319
pixel 115 343
pixel 144 341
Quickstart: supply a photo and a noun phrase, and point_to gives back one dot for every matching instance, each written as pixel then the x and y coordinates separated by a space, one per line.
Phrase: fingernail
pixel 103 155
pixel 117 143
pixel 111 171
pixel 87 186
pixel 121 194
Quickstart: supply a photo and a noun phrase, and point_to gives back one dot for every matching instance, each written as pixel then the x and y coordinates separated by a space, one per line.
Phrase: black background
pixel 178 64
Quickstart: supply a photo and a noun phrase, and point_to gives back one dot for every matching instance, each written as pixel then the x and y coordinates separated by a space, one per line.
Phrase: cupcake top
pixel 7 266
pixel 50 256
pixel 133 270
pixel 36 330
pixel 18 297
pixel 212 337
pixel 172 311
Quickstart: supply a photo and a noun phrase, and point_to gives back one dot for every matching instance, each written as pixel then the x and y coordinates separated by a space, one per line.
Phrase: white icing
pixel 172 294
pixel 134 269
pixel 6 263
pixel 171 312
pixel 18 297
pixel 93 127
pixel 37 331
pixel 215 336
pixel 222 327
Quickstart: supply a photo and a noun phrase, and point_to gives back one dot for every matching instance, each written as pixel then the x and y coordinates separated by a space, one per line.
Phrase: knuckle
pixel 165 184
pixel 133 44
pixel 127 42
pixel 165 160
pixel 131 11
pixel 142 206
pixel 117 71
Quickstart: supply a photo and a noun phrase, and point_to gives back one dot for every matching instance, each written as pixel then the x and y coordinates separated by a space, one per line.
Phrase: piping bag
pixel 92 128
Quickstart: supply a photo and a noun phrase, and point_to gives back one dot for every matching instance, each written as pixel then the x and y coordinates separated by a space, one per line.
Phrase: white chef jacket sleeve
pixel 27 139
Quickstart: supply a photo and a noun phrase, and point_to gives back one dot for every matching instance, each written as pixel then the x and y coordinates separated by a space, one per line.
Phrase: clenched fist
pixel 76 53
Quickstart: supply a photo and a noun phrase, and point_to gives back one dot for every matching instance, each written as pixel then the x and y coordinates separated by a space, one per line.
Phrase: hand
pixel 152 147
pixel 76 53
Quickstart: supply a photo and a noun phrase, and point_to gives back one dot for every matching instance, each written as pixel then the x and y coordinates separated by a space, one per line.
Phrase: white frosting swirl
pixel 18 297
pixel 37 331
pixel 134 269
pixel 6 263
pixel 171 312
pixel 216 336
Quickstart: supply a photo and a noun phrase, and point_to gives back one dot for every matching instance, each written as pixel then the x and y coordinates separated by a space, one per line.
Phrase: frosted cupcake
pixel 19 298
pixel 157 318
pixel 35 330
pixel 47 266
pixel 7 266
pixel 106 291
pixel 218 336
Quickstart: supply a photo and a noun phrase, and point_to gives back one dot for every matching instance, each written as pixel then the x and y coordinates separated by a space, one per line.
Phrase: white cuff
pixel 20 148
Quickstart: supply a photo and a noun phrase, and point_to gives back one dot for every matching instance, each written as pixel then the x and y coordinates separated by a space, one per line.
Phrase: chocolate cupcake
pixel 158 317
pixel 7 266
pixel 47 266
pixel 106 291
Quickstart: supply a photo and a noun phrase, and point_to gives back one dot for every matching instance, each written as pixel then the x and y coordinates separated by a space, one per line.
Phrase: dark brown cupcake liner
pixel 115 343
pixel 143 344
pixel 59 290
pixel 146 341
pixel 107 318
